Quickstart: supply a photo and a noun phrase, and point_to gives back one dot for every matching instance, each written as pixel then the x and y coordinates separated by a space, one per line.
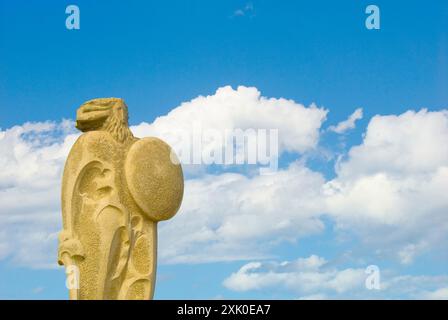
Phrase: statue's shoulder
pixel 92 145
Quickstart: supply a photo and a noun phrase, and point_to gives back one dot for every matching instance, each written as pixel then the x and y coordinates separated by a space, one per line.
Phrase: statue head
pixel 104 114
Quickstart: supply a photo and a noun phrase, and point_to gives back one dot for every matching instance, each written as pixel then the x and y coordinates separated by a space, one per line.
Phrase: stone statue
pixel 115 189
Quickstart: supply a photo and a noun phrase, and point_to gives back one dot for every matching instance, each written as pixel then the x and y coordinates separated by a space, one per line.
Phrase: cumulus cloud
pixel 347 124
pixel 410 143
pixel 243 108
pixel 391 188
pixel 31 162
pixel 314 278
pixel 232 216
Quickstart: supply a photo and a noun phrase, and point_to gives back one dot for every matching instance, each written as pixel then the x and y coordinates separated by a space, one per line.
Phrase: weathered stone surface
pixel 115 189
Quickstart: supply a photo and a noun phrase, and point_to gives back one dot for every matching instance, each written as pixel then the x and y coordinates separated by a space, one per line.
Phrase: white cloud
pixel 31 161
pixel 391 189
pixel 347 124
pixel 410 143
pixel 231 216
pixel 243 108
pixel 247 9
pixel 315 278
pixel 307 276
pixel 414 286
pixel 304 276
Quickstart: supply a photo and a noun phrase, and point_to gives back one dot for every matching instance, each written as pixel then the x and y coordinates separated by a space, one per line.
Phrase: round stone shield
pixel 154 178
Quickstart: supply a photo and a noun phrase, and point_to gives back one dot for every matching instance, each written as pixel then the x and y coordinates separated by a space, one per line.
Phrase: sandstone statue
pixel 115 188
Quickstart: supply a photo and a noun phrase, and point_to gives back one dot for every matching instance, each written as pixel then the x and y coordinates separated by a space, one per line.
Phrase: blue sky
pixel 158 54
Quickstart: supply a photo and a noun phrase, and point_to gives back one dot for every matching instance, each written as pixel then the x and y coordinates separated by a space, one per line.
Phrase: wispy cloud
pixel 38 290
pixel 247 10
pixel 347 124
